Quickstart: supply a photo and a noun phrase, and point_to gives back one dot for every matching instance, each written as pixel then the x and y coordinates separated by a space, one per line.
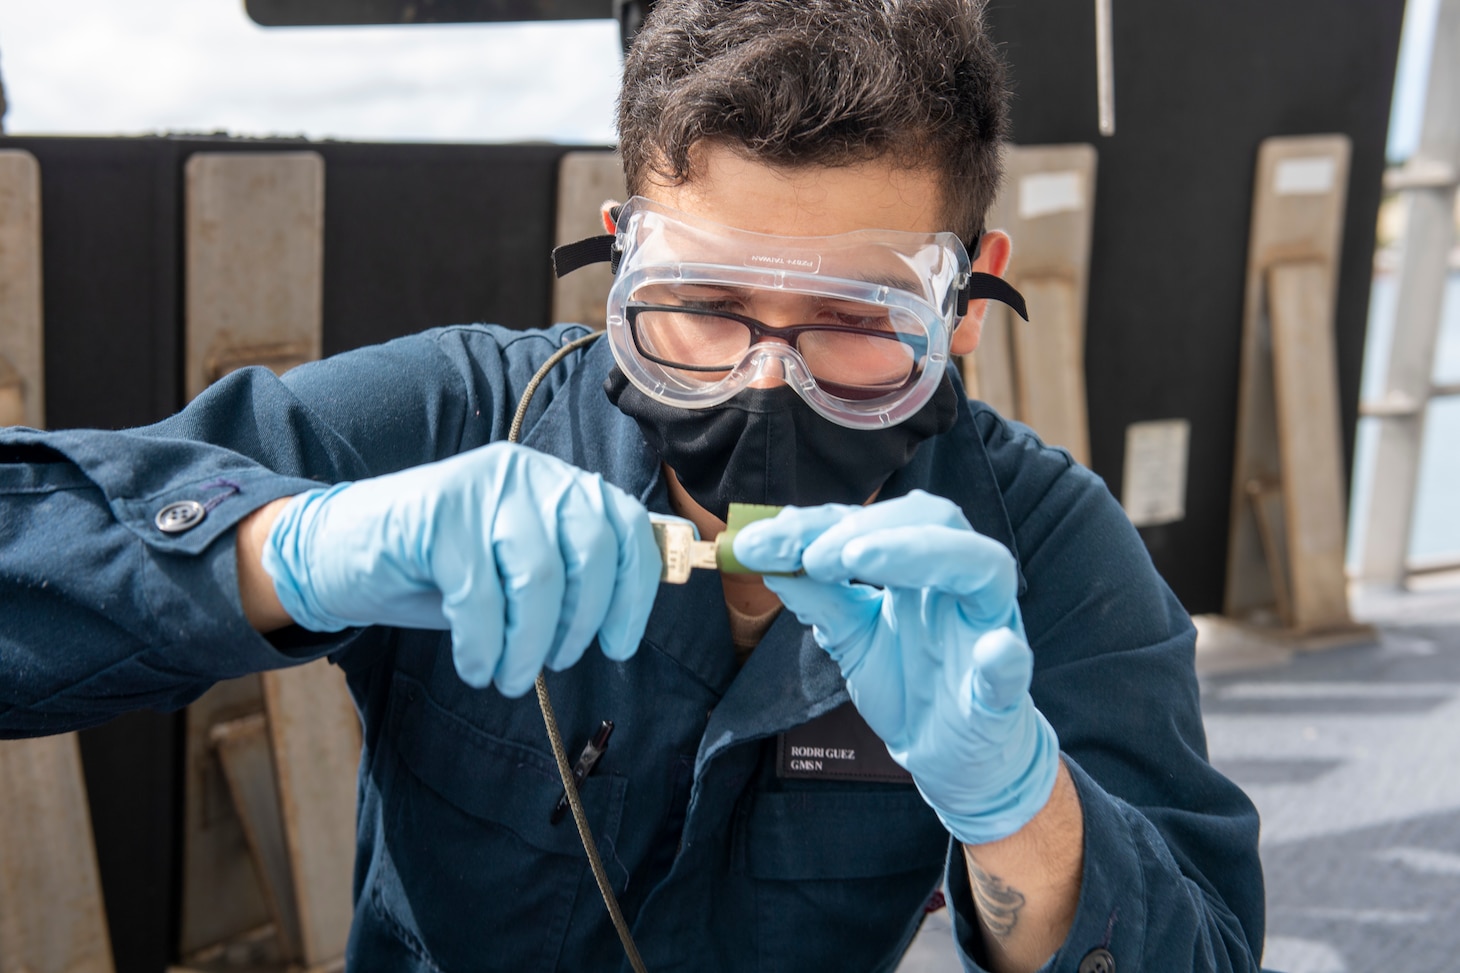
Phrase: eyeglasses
pixel 862 352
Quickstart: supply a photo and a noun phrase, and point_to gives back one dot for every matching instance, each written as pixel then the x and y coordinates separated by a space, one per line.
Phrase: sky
pixel 145 66
pixel 1409 80
pixel 85 67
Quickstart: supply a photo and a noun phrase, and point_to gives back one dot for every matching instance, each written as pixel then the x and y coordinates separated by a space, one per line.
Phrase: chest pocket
pixel 478 878
pixel 854 865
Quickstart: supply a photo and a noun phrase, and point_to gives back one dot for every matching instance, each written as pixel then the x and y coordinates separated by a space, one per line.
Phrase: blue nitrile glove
pixel 522 556
pixel 929 640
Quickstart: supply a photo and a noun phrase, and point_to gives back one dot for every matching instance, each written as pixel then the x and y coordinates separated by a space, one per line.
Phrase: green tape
pixel 740 515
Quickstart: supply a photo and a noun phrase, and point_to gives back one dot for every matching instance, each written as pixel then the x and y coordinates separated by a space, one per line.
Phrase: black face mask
pixel 769 446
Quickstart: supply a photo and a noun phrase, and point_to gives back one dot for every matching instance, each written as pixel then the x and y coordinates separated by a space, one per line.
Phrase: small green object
pixel 740 515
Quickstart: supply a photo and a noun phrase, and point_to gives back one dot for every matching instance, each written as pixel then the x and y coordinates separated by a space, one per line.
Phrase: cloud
pixel 102 67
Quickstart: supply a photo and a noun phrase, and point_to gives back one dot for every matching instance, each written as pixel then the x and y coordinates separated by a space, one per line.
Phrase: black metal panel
pixel 423 235
pixel 307 13
pixel 1198 86
pixel 134 783
pixel 415 236
pixel 111 291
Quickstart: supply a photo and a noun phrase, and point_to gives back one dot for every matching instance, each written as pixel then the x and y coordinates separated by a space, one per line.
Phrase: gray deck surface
pixel 1352 756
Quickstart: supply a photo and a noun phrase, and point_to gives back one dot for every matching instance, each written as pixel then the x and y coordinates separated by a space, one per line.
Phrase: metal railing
pixel 1428 182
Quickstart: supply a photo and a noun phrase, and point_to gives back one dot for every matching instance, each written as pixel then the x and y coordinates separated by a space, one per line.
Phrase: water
pixel 1436 526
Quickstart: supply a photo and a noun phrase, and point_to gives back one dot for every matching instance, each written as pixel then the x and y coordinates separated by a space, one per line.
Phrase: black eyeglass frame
pixel 790 332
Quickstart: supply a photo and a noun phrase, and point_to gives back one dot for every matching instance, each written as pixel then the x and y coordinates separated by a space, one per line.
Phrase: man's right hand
pixel 525 558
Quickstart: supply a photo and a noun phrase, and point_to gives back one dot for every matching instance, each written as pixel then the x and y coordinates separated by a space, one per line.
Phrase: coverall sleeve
pixel 103 611
pixel 1172 878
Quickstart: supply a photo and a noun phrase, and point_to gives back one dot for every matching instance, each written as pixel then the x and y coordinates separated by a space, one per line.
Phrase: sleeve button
pixel 181 516
pixel 1098 960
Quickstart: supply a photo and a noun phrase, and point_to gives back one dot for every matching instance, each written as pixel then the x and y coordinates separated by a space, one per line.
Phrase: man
pixel 802 252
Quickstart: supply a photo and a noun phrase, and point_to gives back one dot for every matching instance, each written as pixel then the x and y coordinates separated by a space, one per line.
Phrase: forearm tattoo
pixel 998 904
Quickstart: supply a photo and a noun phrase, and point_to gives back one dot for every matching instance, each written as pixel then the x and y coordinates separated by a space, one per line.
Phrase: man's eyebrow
pixel 891 280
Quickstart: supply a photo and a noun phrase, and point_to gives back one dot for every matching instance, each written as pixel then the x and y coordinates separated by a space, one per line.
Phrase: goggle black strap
pixel 594 250
pixel 983 286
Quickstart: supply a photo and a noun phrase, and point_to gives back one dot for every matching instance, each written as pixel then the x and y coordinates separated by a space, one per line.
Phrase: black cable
pixel 549 718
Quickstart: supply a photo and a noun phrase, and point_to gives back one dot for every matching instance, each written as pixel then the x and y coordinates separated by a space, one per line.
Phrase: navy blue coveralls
pixel 720 863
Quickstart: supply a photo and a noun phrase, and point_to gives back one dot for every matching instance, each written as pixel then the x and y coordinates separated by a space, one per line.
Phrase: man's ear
pixel 993 258
pixel 607 211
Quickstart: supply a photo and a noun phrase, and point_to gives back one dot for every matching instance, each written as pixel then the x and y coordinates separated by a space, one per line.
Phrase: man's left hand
pixel 920 613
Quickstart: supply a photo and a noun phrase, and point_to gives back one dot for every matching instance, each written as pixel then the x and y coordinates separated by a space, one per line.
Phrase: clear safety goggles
pixel 857 323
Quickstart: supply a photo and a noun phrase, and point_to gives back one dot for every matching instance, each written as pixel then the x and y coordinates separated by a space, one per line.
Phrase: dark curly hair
pixel 820 82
